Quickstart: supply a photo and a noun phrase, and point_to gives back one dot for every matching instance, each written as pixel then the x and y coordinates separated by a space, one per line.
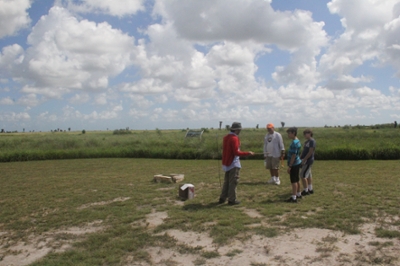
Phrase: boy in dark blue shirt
pixel 294 163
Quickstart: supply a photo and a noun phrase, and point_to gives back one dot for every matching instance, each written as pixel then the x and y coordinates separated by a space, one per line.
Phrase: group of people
pixel 299 164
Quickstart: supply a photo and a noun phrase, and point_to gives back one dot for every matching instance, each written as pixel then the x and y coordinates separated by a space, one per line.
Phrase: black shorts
pixel 294 173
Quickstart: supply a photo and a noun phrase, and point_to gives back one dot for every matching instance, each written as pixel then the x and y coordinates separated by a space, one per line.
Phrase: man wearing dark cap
pixel 231 163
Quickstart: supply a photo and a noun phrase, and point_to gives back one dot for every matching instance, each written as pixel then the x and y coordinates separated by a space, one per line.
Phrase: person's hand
pixel 251 153
pixel 288 170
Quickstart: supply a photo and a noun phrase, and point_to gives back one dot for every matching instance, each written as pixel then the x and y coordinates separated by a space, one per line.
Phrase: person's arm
pixel 265 147
pixel 291 162
pixel 236 149
pixel 282 147
pixel 309 154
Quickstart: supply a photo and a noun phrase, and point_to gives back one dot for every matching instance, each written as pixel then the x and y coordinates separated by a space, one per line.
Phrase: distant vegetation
pixel 380 142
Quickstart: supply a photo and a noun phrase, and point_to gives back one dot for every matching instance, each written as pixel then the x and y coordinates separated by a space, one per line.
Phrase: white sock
pixel 273 178
pixel 277 178
pixel 306 189
pixel 309 187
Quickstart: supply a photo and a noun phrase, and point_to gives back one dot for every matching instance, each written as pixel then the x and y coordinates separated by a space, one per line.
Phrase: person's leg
pixel 225 187
pixel 275 167
pixel 233 181
pixel 294 190
pixel 304 174
pixel 309 181
pixel 294 180
pixel 268 165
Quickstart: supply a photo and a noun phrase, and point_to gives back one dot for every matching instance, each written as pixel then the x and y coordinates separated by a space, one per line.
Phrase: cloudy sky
pixel 174 64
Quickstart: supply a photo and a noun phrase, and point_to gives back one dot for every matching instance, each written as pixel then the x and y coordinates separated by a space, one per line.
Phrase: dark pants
pixel 294 173
pixel 230 183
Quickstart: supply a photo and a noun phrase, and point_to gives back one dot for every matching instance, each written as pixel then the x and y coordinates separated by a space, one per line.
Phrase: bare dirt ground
pixel 296 247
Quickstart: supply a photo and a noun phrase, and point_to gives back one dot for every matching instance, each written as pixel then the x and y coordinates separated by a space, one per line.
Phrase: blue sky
pixel 176 64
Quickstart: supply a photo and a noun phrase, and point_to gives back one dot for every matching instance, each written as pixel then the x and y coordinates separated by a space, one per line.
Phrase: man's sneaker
pixel 277 181
pixel 299 197
pixel 271 181
pixel 291 200
pixel 236 202
pixel 221 201
pixel 311 191
pixel 305 193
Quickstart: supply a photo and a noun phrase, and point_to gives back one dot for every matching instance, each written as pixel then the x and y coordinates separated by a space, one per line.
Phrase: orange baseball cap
pixel 270 125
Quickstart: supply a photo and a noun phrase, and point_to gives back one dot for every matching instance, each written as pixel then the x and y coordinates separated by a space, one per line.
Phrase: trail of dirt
pixel 296 247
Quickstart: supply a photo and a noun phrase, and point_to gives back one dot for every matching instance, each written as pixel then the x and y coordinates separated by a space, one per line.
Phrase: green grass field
pixel 40 197
pixel 332 144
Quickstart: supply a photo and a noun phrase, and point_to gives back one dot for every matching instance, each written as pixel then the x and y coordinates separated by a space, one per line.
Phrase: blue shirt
pixel 294 148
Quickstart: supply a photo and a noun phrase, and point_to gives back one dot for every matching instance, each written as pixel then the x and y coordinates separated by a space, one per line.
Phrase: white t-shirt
pixel 273 145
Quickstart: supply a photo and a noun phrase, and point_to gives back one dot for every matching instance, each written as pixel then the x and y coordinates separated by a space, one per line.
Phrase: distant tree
pixel 69 129
pixel 2 130
pixel 395 124
pixel 220 125
pixel 227 127
pixel 283 124
pixel 23 130
pixel 83 131
pixel 257 126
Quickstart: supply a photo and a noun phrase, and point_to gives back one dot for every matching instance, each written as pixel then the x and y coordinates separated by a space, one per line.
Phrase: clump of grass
pixel 384 233
pixel 233 253
pixel 210 254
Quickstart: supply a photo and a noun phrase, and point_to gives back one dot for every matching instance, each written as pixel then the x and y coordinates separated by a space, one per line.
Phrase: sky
pixel 177 64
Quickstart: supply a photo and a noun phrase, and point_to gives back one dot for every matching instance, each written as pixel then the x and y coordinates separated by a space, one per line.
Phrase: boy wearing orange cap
pixel 274 151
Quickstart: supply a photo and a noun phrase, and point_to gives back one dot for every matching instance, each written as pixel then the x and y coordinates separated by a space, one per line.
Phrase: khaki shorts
pixel 272 162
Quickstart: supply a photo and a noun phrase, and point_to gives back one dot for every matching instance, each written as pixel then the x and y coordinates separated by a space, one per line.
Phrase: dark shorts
pixel 294 173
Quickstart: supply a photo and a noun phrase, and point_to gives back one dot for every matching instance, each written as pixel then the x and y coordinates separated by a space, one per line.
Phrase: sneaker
pixel 305 193
pixel 271 181
pixel 291 200
pixel 311 191
pixel 221 201
pixel 277 182
pixel 236 202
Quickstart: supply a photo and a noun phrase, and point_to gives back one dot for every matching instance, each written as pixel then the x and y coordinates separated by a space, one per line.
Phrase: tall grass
pixel 332 144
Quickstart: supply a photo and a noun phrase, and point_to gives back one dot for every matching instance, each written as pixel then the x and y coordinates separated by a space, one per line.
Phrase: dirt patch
pixel 308 246
pixel 155 219
pixel 252 213
pixel 38 246
pixel 312 246
pixel 101 203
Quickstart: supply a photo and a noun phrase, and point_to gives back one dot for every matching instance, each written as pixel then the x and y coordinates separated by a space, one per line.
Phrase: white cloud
pixel 101 99
pixel 371 27
pixel 117 8
pixel 68 54
pixel 29 100
pixel 6 101
pixel 80 98
pixel 13 16
pixel 14 117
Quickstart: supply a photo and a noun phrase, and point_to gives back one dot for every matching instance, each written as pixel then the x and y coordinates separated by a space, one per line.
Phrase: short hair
pixel 292 130
pixel 307 130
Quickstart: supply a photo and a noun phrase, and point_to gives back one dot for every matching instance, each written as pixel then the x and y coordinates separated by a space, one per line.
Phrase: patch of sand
pixel 300 247
pixel 309 246
pixel 36 247
pixel 101 203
